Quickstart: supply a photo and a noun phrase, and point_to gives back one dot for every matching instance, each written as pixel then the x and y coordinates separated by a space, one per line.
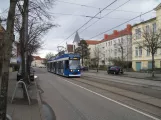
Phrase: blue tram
pixel 67 65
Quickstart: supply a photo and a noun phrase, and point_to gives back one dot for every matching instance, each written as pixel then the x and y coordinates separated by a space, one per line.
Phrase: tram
pixel 66 65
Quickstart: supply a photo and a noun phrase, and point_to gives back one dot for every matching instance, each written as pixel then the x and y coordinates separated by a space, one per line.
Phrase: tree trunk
pixel 153 65
pixel 7 49
pixel 23 41
pixel 122 58
pixel 97 67
pixel 82 56
pixel 22 53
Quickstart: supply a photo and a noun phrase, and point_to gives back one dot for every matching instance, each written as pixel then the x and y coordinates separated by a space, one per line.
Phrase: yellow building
pixel 141 57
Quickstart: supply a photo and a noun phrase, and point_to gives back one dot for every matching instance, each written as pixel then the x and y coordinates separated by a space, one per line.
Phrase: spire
pixel 77 38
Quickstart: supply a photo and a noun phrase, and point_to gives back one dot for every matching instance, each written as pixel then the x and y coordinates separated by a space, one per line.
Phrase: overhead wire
pixel 88 21
pixel 74 15
pixel 76 4
pixel 87 16
pixel 121 24
pixel 93 6
pixel 106 15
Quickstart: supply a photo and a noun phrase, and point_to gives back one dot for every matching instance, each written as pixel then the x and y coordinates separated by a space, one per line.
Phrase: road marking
pixel 145 114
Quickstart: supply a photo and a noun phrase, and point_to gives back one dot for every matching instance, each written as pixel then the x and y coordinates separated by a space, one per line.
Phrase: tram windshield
pixel 74 64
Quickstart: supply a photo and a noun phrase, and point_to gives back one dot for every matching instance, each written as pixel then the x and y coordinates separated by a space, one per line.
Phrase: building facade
pixel 116 46
pixel 37 61
pixel 92 47
pixel 141 57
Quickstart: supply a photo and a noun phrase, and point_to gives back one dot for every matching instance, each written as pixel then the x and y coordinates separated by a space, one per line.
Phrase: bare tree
pixel 6 49
pixel 49 55
pixel 151 42
pixel 96 59
pixel 37 26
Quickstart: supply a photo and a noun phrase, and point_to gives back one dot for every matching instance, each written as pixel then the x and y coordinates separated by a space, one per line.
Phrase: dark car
pixel 114 70
pixel 84 68
pixel 19 74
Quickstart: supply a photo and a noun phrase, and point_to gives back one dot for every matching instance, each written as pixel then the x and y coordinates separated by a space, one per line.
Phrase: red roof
pixel 38 58
pixel 92 42
pixel 116 34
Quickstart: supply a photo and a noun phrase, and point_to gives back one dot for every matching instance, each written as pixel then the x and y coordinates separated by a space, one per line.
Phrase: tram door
pixel 66 67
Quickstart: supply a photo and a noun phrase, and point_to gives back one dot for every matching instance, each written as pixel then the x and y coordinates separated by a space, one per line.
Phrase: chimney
pixel 105 36
pixel 129 28
pixel 115 32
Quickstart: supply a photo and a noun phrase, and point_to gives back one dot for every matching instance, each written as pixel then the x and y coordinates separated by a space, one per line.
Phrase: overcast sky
pixel 70 23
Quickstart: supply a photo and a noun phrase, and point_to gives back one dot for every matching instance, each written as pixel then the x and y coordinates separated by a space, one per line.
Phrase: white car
pixel 42 66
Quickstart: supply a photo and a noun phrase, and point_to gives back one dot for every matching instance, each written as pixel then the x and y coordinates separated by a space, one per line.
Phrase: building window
pixel 140 51
pixel 115 52
pixel 122 40
pixel 148 52
pixel 154 27
pixel 136 51
pixel 147 29
pixel 138 33
pixel 156 52
pixel 106 44
pixel 111 42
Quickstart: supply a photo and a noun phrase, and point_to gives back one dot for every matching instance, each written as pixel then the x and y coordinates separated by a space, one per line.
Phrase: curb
pixel 39 101
pixel 126 75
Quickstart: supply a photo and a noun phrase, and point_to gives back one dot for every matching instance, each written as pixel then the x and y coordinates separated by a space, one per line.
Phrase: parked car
pixel 19 74
pixel 84 68
pixel 42 66
pixel 114 70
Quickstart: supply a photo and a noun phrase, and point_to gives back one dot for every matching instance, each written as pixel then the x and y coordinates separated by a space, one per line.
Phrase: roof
pixel 158 7
pixel 92 42
pixel 144 22
pixel 38 58
pixel 119 34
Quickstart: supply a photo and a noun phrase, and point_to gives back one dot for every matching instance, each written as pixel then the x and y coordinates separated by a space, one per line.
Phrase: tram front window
pixel 74 64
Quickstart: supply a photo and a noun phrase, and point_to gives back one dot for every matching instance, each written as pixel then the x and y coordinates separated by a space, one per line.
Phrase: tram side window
pixel 66 64
pixel 61 64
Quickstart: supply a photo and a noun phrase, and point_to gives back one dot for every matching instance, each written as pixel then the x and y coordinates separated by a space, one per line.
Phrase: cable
pixel 93 6
pixel 4 11
pixel 76 4
pixel 105 15
pixel 89 21
pixel 120 24
pixel 74 15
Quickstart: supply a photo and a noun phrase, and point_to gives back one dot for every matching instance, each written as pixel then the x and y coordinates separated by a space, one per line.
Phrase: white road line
pixel 145 114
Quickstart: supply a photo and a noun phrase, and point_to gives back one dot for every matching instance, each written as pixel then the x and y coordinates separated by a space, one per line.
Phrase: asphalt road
pixel 71 101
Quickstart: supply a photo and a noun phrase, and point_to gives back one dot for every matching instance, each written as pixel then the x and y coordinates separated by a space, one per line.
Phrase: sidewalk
pixel 20 110
pixel 136 75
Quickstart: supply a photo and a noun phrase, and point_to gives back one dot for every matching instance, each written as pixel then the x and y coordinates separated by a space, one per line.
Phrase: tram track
pixel 119 91
pixel 145 90
pixel 140 104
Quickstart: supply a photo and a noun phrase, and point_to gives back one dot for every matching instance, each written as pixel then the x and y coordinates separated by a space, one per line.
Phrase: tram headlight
pixel 78 70
pixel 71 70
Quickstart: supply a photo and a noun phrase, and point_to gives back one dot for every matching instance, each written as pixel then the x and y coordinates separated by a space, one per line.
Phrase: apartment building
pixel 141 57
pixel 116 45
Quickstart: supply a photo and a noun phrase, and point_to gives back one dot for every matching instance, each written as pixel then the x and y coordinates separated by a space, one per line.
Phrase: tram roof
pixel 64 56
